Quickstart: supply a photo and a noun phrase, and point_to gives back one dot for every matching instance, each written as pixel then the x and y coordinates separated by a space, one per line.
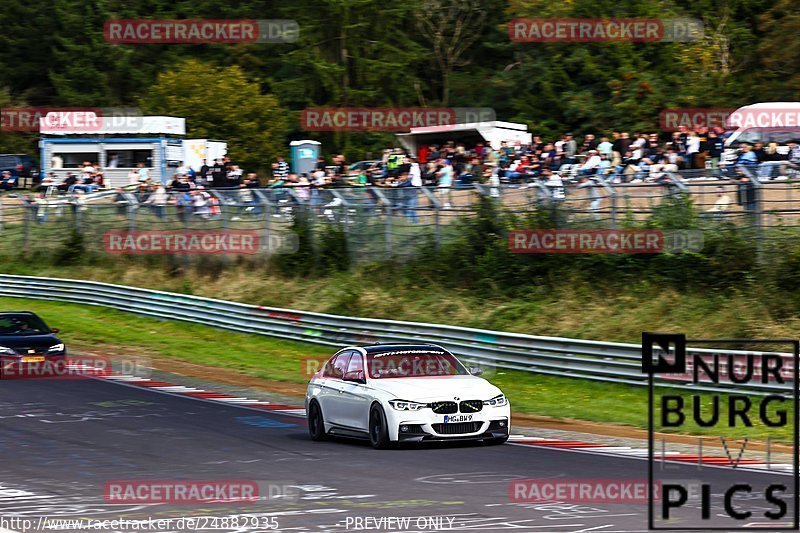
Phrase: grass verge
pixel 105 330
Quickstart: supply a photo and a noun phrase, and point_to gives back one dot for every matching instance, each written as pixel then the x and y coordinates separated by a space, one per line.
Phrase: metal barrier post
pixel 262 199
pixel 388 224
pixel 613 195
pixel 29 211
pixel 436 204
pixel 758 209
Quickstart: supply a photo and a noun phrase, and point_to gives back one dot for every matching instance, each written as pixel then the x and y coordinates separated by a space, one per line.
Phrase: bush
pixel 72 251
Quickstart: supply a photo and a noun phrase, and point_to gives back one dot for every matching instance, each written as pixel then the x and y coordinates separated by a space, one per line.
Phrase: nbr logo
pixel 663 353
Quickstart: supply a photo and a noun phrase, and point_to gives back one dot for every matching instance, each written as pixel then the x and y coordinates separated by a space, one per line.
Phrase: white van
pixel 764 122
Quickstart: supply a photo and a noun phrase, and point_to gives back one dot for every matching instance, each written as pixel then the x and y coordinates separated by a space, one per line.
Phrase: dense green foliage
pixel 373 53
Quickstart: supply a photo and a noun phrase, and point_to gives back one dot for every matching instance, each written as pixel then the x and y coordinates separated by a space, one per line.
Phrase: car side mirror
pixel 475 370
pixel 355 377
pixel 54 330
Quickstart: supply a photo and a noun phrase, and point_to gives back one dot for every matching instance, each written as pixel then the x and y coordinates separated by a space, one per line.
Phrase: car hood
pixel 29 341
pixel 437 388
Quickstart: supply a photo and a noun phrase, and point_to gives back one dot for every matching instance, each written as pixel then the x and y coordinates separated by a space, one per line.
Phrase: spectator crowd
pixel 620 157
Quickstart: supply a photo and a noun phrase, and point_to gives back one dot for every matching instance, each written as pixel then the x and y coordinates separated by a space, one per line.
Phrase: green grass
pixel 98 328
pixel 263 357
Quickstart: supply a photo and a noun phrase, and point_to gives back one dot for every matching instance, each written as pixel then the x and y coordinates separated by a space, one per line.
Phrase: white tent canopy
pixel 490 133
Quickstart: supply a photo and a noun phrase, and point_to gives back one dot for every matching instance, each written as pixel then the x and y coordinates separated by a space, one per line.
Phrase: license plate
pixel 38 359
pixel 448 419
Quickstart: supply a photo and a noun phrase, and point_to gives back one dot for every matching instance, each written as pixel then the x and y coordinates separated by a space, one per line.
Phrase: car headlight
pixel 7 351
pixel 404 405
pixel 497 401
pixel 56 348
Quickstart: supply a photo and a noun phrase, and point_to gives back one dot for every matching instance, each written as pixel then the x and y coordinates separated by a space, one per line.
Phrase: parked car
pixel 21 166
pixel 358 166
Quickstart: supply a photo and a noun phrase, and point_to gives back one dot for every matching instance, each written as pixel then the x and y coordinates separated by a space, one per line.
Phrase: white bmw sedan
pixel 404 393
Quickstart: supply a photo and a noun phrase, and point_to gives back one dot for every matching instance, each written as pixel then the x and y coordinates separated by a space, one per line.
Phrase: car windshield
pixel 413 364
pixel 21 324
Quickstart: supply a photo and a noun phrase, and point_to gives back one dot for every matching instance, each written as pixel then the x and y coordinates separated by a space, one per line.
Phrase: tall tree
pixel 222 103
pixel 451 27
pixel 779 50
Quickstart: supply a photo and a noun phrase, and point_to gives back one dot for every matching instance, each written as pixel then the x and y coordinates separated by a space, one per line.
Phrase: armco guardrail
pixel 592 360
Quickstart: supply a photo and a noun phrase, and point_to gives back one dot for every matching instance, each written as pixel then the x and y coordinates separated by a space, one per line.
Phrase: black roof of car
pixel 380 348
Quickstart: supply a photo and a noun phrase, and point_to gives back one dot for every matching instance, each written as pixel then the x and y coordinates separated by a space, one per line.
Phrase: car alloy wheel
pixel 316 424
pixel 378 432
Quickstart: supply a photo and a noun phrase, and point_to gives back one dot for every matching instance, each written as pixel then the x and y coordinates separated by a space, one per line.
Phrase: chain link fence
pixel 384 222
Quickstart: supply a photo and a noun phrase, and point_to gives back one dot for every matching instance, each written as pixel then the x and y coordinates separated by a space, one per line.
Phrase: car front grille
pixel 444 408
pixel 457 428
pixel 470 406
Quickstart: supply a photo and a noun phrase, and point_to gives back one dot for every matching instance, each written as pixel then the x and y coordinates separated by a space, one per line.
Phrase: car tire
pixel 496 441
pixel 378 430
pixel 316 423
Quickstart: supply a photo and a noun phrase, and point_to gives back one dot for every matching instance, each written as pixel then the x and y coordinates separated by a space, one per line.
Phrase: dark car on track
pixel 25 340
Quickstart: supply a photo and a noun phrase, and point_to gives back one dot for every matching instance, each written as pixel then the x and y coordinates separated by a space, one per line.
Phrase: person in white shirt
pixel 555 184
pixel 591 164
pixel 412 192
pixel 415 173
pixel 692 149
pixel 87 170
pixel 721 206
pixel 158 200
pixel 58 162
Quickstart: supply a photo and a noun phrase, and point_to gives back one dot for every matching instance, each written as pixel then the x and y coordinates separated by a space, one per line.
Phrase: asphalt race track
pixel 61 441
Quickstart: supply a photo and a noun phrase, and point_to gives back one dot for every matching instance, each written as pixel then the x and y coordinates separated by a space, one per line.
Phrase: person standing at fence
pixel 570 148
pixel 412 192
pixel 702 153
pixel 184 205
pixel 747 194
pixel 445 176
pixel 793 156
pixel 692 150
pixel 592 194
pixel 144 172
pixel 339 168
pixel 716 146
pixel 204 171
pixel 721 205
pixel 158 201
pixel 217 174
pixel 747 156
pixel 280 169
